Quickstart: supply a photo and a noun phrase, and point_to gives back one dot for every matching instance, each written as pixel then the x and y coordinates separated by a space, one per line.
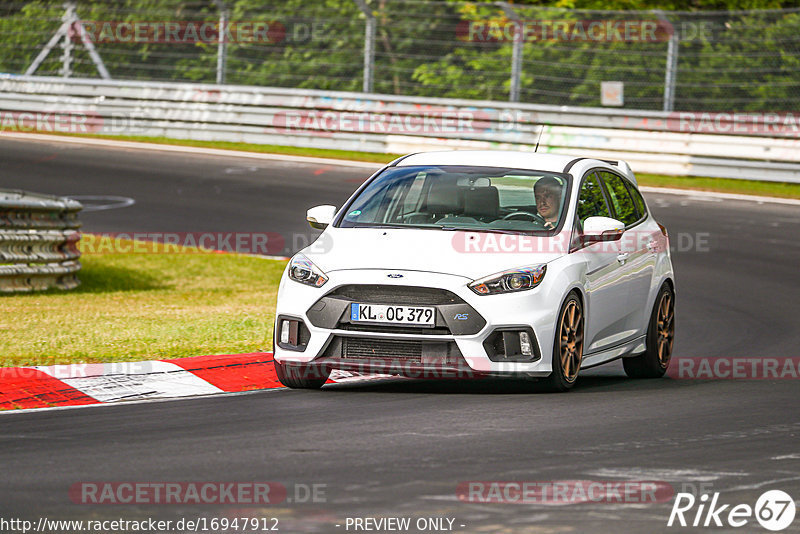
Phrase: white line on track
pixel 761 484
pixel 102 202
pixel 189 150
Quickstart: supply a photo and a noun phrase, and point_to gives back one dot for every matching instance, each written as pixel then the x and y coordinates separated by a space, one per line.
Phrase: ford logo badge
pixel 395 275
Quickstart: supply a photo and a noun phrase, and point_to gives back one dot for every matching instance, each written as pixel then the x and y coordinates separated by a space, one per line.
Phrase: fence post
pixel 66 43
pixel 369 45
pixel 671 72
pixel 516 52
pixel 222 45
pixel 69 23
pixel 671 76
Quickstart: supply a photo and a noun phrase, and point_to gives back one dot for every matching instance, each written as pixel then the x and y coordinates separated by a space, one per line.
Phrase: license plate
pixel 399 315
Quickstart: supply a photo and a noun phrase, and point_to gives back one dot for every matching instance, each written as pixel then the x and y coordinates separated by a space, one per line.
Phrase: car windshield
pixel 461 197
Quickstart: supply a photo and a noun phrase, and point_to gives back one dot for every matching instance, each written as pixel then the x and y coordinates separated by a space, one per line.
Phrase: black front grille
pixel 453 315
pixel 385 294
pixel 394 329
pixel 365 348
pixel 405 350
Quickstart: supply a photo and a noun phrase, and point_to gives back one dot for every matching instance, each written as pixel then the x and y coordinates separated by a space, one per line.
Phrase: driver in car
pixel 547 192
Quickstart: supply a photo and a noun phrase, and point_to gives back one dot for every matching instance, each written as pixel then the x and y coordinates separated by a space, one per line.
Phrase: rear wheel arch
pixel 670 282
pixel 653 363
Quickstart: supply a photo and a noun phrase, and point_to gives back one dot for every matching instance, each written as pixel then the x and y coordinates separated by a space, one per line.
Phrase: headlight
pixel 302 270
pixel 509 281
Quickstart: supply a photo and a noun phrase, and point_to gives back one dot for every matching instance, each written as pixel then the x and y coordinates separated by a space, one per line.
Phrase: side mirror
pixel 319 217
pixel 602 229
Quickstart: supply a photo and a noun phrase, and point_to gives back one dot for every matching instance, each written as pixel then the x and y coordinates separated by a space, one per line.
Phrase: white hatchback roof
pixel 491 158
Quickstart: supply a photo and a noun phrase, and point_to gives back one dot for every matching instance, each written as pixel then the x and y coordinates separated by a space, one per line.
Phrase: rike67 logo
pixel 774 510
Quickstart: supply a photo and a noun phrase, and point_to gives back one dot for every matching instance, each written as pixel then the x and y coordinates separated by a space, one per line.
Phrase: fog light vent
pixel 285 331
pixel 289 331
pixel 512 345
pixel 293 334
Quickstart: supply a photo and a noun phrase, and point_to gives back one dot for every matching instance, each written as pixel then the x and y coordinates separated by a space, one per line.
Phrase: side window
pixel 591 202
pixel 637 200
pixel 621 200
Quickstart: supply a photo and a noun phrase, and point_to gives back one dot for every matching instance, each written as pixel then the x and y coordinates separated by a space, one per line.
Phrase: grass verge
pixel 724 185
pixel 371 157
pixel 133 307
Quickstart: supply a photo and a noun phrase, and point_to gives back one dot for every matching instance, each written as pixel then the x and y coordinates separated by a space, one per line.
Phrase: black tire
pixel 300 376
pixel 569 338
pixel 660 337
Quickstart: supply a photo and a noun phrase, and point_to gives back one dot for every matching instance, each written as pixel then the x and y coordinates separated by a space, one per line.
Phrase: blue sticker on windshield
pixel 354 213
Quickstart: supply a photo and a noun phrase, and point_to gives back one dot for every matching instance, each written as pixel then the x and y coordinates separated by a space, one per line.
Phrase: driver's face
pixel 547 202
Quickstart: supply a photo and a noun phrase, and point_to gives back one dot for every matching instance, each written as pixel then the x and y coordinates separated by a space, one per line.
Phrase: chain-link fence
pixel 706 61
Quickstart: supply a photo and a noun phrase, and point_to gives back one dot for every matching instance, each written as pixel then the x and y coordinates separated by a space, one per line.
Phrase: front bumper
pixel 469 327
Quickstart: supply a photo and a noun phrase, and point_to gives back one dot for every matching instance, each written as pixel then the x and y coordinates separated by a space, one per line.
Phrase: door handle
pixel 622 258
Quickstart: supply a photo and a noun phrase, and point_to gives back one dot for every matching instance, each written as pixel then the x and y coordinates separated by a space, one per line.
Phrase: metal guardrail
pixel 655 142
pixel 38 242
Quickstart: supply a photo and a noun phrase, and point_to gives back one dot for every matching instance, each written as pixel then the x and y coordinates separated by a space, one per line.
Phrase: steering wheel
pixel 533 216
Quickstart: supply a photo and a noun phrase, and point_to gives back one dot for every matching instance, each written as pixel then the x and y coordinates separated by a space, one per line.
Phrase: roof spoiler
pixel 620 164
pixel 623 167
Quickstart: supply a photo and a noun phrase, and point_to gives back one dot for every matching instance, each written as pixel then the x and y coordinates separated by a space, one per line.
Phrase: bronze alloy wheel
pixel 653 362
pixel 665 324
pixel 571 336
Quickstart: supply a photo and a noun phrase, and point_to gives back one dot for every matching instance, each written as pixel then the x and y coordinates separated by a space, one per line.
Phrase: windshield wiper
pixel 488 230
pixel 401 226
pixel 449 228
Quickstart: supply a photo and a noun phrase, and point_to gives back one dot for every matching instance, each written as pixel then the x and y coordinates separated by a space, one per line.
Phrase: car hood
pixel 468 254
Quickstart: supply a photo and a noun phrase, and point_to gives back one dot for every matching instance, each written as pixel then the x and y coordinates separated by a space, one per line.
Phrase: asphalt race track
pixel 401 447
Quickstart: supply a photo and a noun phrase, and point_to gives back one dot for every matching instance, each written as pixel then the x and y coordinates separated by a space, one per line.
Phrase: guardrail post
pixel 369 45
pixel 516 52
pixel 222 46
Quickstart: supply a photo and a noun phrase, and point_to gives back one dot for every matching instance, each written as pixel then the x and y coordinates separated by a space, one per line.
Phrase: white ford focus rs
pixel 480 263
